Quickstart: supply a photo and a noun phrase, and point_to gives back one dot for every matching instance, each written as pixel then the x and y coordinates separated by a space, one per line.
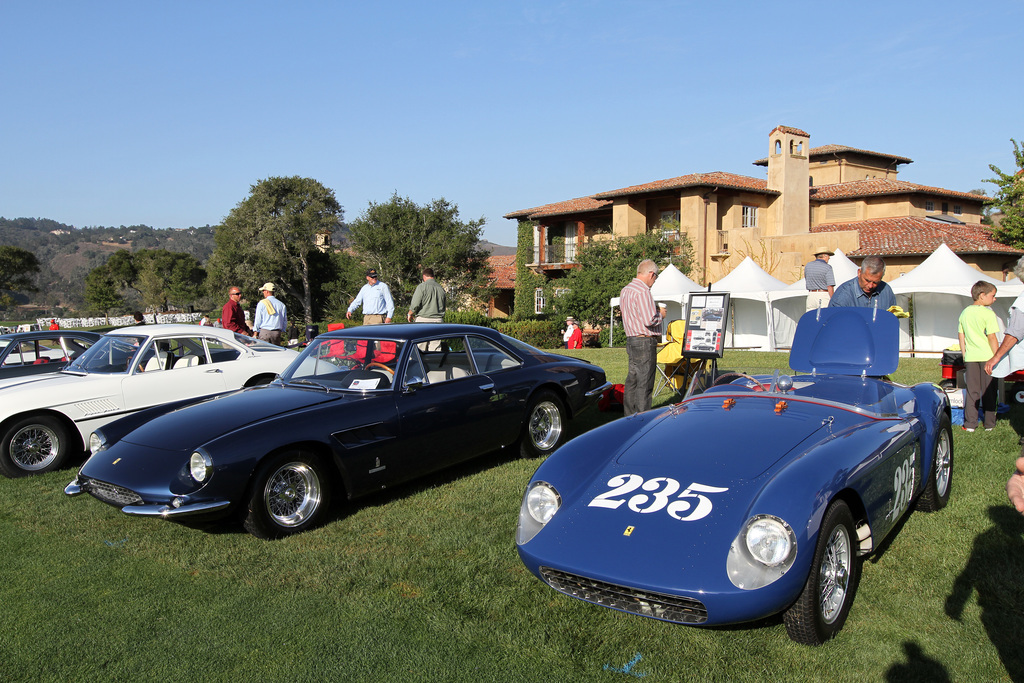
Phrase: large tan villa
pixel 833 196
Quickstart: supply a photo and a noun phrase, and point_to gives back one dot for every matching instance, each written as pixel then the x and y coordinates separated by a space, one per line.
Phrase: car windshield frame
pixel 112 354
pixel 340 364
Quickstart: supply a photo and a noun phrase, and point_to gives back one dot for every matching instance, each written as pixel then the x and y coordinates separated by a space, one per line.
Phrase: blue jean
pixel 643 356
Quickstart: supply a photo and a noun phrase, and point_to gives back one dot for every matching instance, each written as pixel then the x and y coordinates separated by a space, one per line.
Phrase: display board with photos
pixel 707 319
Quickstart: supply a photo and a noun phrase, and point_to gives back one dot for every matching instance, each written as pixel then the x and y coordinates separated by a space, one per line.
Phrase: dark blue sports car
pixel 360 410
pixel 754 495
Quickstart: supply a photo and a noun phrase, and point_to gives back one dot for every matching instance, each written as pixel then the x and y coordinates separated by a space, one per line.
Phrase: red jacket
pixel 232 318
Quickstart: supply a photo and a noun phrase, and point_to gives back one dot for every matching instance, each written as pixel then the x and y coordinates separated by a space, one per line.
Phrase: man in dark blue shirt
pixel 867 289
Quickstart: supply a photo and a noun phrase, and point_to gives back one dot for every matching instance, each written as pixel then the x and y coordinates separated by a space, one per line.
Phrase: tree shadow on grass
pixel 995 571
pixel 918 667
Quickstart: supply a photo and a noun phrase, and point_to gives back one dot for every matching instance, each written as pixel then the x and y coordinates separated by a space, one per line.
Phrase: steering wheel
pixel 730 377
pixel 375 364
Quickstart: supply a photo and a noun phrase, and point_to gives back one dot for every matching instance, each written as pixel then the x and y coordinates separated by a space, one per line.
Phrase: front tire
pixel 821 610
pixel 34 445
pixel 290 494
pixel 544 430
pixel 940 479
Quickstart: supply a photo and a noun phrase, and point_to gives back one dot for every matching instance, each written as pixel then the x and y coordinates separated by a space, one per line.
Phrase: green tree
pixel 608 266
pixel 400 238
pixel 18 268
pixel 166 277
pixel 102 291
pixel 1009 199
pixel 271 236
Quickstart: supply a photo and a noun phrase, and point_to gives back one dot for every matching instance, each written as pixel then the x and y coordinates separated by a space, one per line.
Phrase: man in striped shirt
pixel 642 322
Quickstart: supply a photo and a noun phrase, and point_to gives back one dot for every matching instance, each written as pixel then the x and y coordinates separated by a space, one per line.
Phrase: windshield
pixel 352 363
pixel 111 354
pixel 870 394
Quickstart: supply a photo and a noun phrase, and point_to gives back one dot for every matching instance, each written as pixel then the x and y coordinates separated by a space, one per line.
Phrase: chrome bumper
pixel 598 391
pixel 159 509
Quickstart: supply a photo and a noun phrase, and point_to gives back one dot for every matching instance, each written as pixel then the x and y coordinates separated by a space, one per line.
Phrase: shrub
pixel 544 334
pixel 619 338
pixel 468 318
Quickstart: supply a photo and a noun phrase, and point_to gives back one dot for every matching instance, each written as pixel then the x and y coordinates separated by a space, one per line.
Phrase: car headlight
pixel 769 540
pixel 200 466
pixel 97 442
pixel 540 504
pixel 761 553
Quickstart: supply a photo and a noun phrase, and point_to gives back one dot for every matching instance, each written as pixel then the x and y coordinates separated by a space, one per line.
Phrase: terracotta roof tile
pixel 578 205
pixel 878 187
pixel 791 130
pixel 713 179
pixel 829 150
pixel 913 235
pixel 503 271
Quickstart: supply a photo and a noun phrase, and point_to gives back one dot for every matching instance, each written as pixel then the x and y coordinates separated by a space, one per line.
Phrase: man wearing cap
pixel 573 334
pixel 819 280
pixel 375 298
pixel 271 316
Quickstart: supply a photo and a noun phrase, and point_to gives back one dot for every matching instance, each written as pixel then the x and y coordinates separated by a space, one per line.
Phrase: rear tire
pixel 821 610
pixel 290 494
pixel 940 479
pixel 34 445
pixel 544 430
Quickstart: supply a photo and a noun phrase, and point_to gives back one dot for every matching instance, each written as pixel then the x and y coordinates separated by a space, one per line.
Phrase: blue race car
pixel 754 495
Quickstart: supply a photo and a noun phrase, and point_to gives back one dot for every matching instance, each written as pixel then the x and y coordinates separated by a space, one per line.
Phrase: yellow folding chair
pixel 676 370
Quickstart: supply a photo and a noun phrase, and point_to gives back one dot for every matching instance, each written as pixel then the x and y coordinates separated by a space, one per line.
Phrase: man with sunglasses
pixel 231 316
pixel 375 298
pixel 642 322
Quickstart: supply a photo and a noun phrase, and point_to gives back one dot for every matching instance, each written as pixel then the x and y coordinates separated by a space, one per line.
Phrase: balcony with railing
pixel 554 255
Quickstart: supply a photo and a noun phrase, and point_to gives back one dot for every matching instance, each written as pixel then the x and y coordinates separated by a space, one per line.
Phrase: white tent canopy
pixel 937 291
pixel 672 288
pixel 751 325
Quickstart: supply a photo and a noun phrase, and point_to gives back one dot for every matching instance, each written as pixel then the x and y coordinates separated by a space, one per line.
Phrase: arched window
pixel 778 146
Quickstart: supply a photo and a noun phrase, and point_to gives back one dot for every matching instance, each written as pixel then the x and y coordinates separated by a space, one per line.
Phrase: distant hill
pixel 497 249
pixel 66 254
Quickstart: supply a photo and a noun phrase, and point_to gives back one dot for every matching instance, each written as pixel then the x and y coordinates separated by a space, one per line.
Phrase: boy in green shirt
pixel 977 330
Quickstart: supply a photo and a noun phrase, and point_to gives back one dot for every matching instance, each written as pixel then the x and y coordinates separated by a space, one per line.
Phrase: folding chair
pixel 677 368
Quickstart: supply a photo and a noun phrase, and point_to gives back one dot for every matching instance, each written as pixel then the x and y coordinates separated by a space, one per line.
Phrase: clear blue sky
pixel 165 113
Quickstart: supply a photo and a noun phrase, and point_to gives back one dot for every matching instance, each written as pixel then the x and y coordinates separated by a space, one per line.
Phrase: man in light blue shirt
pixel 375 298
pixel 867 289
pixel 271 316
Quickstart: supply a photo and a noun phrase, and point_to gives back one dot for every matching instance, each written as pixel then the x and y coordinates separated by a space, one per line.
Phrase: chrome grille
pixel 109 493
pixel 645 603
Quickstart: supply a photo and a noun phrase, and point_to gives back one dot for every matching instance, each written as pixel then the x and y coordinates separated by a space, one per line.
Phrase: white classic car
pixel 45 420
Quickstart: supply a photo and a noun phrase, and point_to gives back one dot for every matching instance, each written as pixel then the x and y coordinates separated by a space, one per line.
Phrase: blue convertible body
pixel 359 411
pixel 752 496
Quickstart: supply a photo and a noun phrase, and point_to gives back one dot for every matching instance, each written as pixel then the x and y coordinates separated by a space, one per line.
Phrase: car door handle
pixel 487 387
pixel 214 370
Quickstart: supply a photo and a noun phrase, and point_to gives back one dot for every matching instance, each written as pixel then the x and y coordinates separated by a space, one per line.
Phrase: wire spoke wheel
pixel 34 445
pixel 292 494
pixel 835 574
pixel 545 425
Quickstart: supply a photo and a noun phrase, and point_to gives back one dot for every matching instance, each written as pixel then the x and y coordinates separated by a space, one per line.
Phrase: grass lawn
pixel 423 583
